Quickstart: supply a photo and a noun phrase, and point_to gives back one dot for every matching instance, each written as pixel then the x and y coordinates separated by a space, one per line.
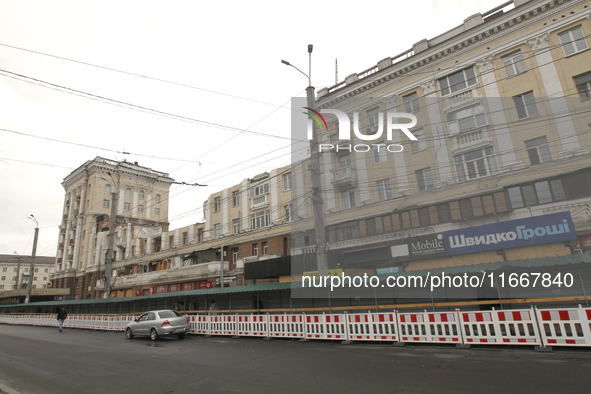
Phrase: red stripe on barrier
pixel 571 341
pixel 479 316
pixel 381 318
pixel 444 318
pixel 552 341
pixel 517 316
pixel 588 312
pixel 431 318
pixel 564 315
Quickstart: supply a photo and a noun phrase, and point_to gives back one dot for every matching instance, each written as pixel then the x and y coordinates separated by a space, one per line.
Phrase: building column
pixel 438 134
pixel 558 105
pixel 497 114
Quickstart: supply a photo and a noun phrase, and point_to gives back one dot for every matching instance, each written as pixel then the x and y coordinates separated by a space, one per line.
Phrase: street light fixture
pixel 317 201
pixel 32 269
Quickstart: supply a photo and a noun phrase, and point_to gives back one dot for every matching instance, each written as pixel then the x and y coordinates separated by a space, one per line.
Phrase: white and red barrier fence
pixel 541 327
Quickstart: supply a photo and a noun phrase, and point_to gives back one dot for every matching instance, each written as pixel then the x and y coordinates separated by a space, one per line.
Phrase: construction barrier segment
pixel 539 327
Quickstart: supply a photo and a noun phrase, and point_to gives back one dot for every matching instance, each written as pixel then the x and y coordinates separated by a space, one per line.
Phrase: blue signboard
pixel 556 227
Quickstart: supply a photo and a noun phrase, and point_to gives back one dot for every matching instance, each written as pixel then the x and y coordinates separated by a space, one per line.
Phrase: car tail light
pixel 188 319
pixel 165 323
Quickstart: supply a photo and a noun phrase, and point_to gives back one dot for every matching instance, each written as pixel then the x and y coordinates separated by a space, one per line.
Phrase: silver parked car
pixel 159 323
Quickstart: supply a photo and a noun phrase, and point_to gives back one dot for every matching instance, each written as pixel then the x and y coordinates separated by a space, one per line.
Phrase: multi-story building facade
pixel 502 141
pixel 15 271
pixel 502 131
pixel 142 216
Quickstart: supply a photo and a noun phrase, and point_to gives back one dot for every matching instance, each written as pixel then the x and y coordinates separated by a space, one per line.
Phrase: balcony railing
pixel 259 202
pixel 343 177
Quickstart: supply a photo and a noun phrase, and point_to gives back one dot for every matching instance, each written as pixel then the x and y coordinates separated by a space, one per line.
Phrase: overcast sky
pixel 99 78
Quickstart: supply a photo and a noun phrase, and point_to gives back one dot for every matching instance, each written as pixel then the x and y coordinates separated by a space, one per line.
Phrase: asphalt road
pixel 42 360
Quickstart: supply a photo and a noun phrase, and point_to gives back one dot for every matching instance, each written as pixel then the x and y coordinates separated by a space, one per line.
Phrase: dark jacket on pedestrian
pixel 62 314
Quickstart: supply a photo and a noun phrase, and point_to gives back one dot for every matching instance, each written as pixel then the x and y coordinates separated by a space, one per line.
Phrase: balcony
pixel 458 99
pixel 470 139
pixel 120 241
pixel 343 177
pixel 259 202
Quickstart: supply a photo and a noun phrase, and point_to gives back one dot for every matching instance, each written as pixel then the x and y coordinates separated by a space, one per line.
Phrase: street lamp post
pixel 317 201
pixel 32 269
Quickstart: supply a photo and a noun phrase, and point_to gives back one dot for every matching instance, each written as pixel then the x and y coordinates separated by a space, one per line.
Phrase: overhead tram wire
pixel 136 74
pixel 134 107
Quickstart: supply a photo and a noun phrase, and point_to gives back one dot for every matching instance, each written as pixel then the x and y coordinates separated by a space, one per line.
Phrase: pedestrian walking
pixel 62 315
pixel 213 308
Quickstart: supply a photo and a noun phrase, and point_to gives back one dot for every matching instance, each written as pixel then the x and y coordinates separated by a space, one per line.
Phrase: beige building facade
pixel 503 136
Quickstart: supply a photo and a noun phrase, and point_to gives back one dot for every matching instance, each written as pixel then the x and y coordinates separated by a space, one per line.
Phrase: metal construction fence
pixel 539 327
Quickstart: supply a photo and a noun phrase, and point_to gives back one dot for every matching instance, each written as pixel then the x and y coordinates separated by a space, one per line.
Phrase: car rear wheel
pixel 154 334
pixel 129 333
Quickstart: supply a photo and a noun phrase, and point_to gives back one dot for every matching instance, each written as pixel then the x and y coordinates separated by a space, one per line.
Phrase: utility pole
pixel 222 266
pixel 110 244
pixel 32 269
pixel 317 201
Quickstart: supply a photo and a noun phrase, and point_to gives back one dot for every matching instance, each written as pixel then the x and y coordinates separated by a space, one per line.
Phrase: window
pixel 384 191
pixel 411 103
pixel 3 278
pixel 425 179
pixel 217 204
pixel 525 105
pixel 126 206
pixel 185 238
pixel 457 81
pixel 466 119
pixel 348 199
pixel 537 193
pixel 288 213
pixel 573 41
pixel 107 189
pixel 234 255
pixel 420 143
pixel 236 226
pixel 260 219
pixel 265 246
pixel 345 161
pixel 142 194
pixel 287 181
pixel 257 190
pixel 4 269
pixel 476 164
pixel 106 204
pixel 36 270
pixel 217 230
pixel 379 153
pixel 236 198
pixel 200 235
pixel 513 63
pixel 538 150
pixel 140 208
pixel 128 192
pixel 255 249
pixel 171 241
pixel 344 231
pixel 157 212
pixel 157 198
pixel 373 118
pixel 583 83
